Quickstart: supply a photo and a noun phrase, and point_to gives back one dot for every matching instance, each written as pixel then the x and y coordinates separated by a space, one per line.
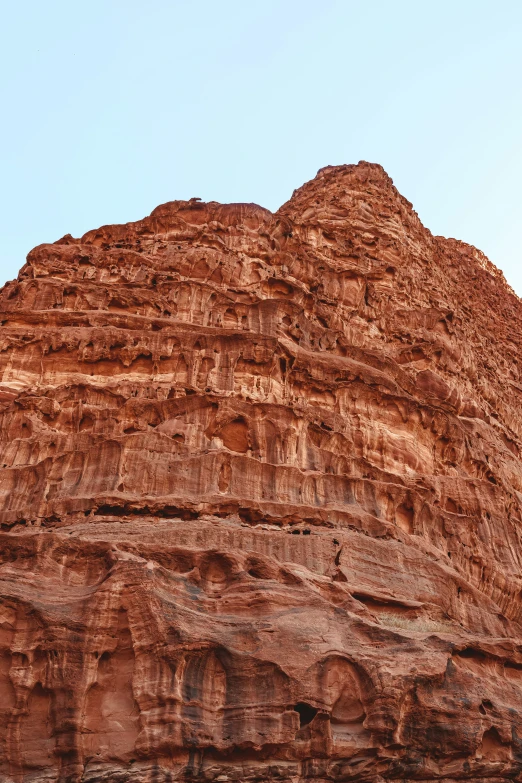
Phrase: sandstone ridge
pixel 261 499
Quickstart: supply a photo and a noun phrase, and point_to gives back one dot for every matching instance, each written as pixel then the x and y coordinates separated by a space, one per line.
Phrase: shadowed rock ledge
pixel 260 492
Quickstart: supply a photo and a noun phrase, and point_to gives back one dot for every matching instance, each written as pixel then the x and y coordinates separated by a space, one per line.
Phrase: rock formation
pixel 261 499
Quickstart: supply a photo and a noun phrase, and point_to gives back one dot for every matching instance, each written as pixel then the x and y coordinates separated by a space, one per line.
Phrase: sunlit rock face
pixel 260 498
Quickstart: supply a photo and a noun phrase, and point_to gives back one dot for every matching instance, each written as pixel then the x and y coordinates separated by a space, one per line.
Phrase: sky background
pixel 111 107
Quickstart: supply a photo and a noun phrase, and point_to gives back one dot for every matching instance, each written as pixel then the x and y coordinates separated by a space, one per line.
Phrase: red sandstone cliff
pixel 261 499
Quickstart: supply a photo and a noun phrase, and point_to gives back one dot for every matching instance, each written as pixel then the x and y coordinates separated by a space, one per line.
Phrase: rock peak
pixel 363 168
pixel 341 186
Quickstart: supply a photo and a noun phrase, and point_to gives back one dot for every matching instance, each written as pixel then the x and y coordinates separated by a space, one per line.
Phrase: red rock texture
pixel 261 499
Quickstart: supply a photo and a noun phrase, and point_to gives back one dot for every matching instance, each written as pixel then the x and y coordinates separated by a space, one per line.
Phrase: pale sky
pixel 111 107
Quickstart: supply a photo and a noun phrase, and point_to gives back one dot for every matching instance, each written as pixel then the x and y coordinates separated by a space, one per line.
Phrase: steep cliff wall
pixel 260 497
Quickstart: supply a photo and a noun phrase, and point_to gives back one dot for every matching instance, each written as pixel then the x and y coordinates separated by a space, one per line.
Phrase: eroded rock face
pixel 260 499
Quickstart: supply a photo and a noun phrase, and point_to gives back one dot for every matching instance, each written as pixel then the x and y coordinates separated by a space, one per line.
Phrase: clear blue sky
pixel 111 107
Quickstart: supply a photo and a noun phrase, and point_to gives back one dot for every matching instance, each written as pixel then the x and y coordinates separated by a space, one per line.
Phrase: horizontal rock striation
pixel 260 497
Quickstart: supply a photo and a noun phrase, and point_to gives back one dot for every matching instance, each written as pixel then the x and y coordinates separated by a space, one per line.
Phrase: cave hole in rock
pixel 288 578
pixel 259 570
pixel 306 713
pixel 493 748
pixel 86 423
pixel 234 435
pixel 472 652
pixel 217 572
pixel 230 319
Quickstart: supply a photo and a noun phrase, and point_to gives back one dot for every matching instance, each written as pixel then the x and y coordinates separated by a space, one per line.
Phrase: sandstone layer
pixel 260 494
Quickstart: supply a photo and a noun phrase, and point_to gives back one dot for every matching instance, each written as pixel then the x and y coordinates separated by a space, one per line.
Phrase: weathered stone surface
pixel 261 499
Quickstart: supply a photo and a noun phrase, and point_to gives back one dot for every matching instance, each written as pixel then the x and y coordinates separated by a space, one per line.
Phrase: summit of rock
pixel 261 499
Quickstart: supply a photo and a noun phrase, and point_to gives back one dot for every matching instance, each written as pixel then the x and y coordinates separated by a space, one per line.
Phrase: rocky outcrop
pixel 261 499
